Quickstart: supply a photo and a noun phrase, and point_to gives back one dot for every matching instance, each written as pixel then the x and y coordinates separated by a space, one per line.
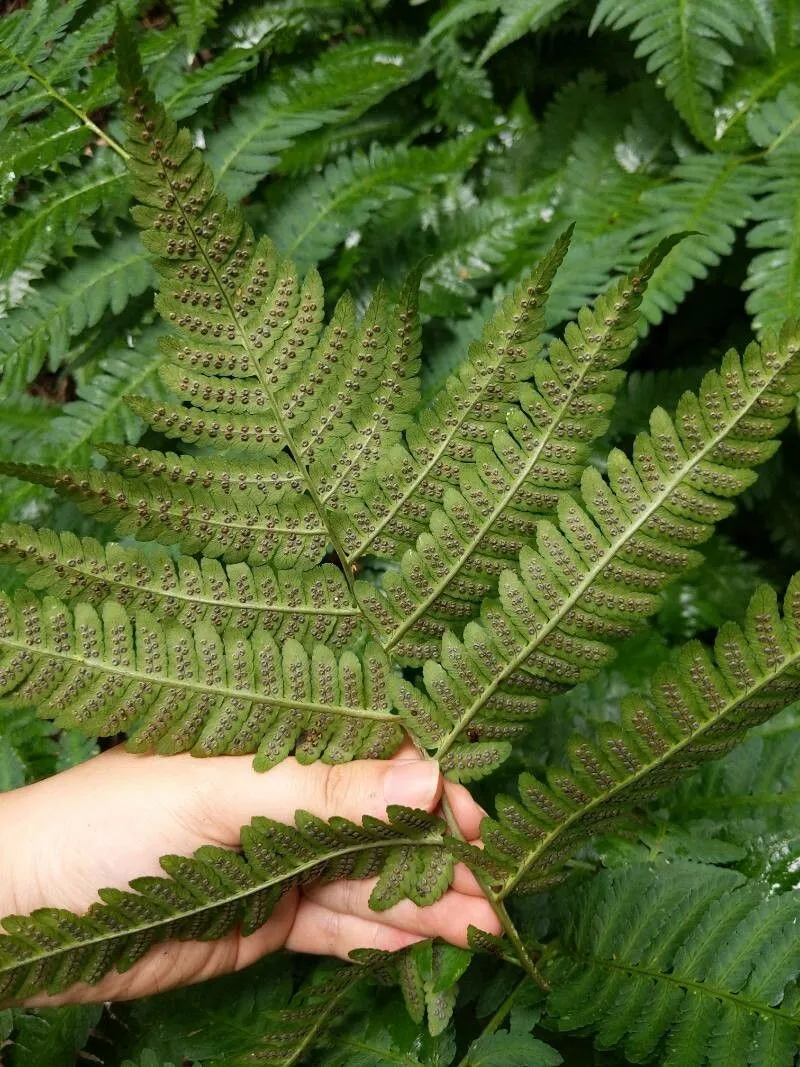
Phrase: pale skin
pixel 110 819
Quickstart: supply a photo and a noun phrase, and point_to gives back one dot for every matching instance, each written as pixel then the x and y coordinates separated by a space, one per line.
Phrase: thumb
pixel 363 787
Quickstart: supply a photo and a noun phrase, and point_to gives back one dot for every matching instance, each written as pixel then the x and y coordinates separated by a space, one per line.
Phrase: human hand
pixel 110 819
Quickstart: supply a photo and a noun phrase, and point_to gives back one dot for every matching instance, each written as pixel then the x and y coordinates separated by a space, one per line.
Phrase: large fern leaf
pixel 217 891
pixel 700 708
pixel 269 379
pixel 598 569
pixel 686 962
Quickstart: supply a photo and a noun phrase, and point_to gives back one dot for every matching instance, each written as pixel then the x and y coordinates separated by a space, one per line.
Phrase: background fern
pixel 455 144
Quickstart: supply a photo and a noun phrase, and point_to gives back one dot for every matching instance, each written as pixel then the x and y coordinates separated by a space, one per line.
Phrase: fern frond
pixel 751 795
pixel 334 396
pixel 518 17
pixel 687 44
pixel 48 219
pixel 700 708
pixel 312 604
pixel 64 307
pixel 479 244
pixel 645 390
pixel 689 962
pixel 596 572
pixel 518 474
pixel 315 1009
pixel 49 84
pixel 99 413
pixel 29 37
pixel 773 277
pixel 39 146
pixel 186 93
pixel 710 196
pixel 216 891
pixel 173 689
pixel 322 212
pixel 344 83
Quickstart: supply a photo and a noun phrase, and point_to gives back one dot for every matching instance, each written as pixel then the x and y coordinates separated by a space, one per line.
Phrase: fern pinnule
pixel 597 570
pixel 699 708
pixel 212 893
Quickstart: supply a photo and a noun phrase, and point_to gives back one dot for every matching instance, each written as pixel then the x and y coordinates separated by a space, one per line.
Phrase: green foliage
pixel 697 962
pixel 42 328
pixel 687 44
pixel 52 1037
pixel 772 273
pixel 346 82
pixel 361 485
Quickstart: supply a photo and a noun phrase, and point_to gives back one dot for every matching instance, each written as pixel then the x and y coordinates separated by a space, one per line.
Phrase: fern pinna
pixel 503 563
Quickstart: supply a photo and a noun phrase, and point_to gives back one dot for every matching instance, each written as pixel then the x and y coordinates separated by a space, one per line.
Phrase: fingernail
pixel 413 784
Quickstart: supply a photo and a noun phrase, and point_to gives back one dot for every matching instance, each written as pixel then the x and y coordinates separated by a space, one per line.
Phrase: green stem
pixel 498 907
pixel 51 90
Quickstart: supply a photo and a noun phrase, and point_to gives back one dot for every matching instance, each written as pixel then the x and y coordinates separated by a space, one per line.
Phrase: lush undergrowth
pixel 572 588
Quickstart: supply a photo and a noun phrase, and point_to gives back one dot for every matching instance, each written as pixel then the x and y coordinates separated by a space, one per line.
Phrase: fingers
pixel 235 792
pixel 322 931
pixel 448 918
pixel 468 814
